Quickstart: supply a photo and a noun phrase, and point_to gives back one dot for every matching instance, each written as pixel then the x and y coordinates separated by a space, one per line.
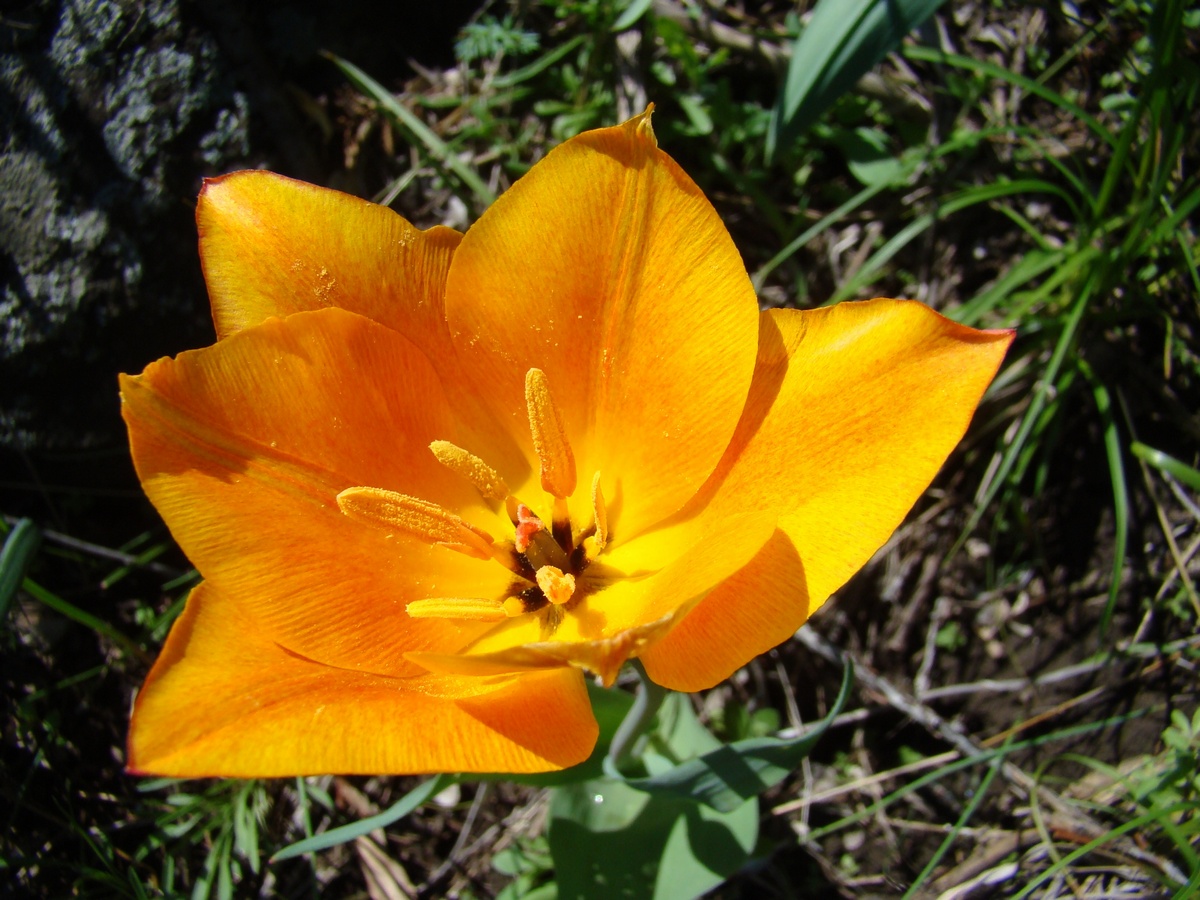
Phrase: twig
pixel 941 613
pixel 1007 685
pixel 793 712
pixel 1071 817
pixel 917 597
pixel 453 859
pixel 985 858
pixel 951 734
pixel 929 762
pixel 1181 495
pixel 719 33
pixel 1169 582
pixel 127 559
pixel 1168 534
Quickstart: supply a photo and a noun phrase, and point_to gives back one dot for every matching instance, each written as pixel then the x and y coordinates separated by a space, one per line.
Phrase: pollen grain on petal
pixel 475 609
pixel 491 486
pixel 418 518
pixel 549 436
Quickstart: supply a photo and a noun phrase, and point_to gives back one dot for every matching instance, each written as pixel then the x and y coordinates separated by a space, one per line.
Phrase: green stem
pixel 637 721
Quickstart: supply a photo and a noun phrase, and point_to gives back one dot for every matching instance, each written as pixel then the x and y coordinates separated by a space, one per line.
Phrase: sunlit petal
pixel 853 410
pixel 244 448
pixel 224 700
pixel 606 268
pixel 272 246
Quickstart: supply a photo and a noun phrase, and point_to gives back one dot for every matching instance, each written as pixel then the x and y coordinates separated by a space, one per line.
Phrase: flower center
pixel 547 562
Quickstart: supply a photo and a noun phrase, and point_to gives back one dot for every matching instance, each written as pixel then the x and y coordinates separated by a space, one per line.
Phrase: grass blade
pixel 73 612
pixel 843 40
pixel 1042 393
pixel 515 77
pixel 1116 471
pixel 394 813
pixel 407 120
pixel 18 552
pixel 968 811
pixel 634 11
pixel 1168 464
pixel 983 67
pixel 969 197
pixel 967 762
pixel 760 277
pixel 1106 838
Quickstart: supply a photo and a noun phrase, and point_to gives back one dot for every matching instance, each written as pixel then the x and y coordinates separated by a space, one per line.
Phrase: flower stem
pixel 637 721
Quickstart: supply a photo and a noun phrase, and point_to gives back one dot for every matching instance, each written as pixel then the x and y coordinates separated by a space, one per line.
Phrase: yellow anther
pixel 467 608
pixel 600 513
pixel 418 518
pixel 483 477
pixel 558 586
pixel 549 436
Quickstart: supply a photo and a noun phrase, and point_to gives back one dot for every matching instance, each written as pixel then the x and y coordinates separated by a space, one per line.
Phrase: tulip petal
pixel 225 700
pixel 853 410
pixel 244 446
pixel 271 246
pixel 606 268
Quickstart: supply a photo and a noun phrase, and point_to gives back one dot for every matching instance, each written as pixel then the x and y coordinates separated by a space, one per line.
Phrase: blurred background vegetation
pixel 1025 719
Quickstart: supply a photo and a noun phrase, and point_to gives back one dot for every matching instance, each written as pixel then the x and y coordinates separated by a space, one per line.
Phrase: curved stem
pixel 646 702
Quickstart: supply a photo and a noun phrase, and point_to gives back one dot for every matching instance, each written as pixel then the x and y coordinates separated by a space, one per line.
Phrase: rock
pixel 114 109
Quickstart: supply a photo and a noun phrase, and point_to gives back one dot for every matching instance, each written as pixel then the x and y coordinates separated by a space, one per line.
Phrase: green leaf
pixel 536 67
pixel 634 11
pixel 693 107
pixel 394 813
pixel 18 552
pixel 843 40
pixel 727 776
pixel 609 840
pixel 1169 464
pixel 869 158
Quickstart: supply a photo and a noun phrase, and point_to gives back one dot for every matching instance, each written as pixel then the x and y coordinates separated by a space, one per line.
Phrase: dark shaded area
pixel 114 111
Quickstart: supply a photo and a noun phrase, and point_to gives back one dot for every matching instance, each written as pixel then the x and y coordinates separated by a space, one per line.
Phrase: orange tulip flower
pixel 430 478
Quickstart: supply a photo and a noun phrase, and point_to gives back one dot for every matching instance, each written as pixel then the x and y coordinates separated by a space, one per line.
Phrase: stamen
pixel 473 609
pixel 527 526
pixel 557 585
pixel 418 518
pixel 599 512
pixel 483 477
pixel 549 437
pixel 529 600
